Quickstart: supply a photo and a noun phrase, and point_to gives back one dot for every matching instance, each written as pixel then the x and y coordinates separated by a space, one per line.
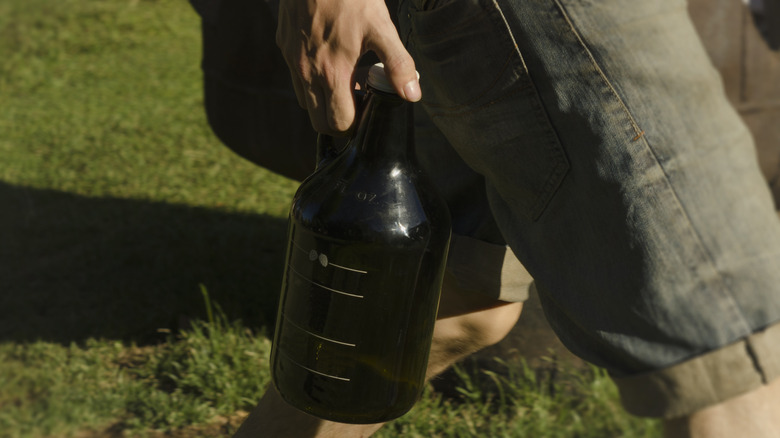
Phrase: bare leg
pixel 466 323
pixel 274 418
pixel 755 415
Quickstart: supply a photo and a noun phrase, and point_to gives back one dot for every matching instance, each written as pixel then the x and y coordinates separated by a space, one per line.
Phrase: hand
pixel 322 40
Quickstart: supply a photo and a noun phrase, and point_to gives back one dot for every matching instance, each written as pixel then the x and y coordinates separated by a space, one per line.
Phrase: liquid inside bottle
pixel 368 239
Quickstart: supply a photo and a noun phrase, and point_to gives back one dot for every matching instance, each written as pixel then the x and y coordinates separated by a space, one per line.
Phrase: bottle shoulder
pixel 371 200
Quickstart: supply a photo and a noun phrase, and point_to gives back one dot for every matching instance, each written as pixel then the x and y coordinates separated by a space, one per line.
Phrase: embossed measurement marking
pixel 324 261
pixel 323 286
pixel 349 269
pixel 344 379
pixel 289 321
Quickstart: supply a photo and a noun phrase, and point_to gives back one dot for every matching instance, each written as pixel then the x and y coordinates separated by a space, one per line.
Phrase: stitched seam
pixel 470 109
pixel 560 162
pixel 637 130
pixel 705 254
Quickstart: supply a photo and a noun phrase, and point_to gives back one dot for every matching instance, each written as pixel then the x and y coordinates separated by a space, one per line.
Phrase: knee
pixel 460 335
pixel 487 327
pixel 469 321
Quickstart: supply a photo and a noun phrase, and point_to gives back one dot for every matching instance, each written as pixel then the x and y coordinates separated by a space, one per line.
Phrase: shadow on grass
pixel 73 267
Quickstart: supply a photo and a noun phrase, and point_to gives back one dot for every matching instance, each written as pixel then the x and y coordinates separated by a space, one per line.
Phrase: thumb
pixel 399 65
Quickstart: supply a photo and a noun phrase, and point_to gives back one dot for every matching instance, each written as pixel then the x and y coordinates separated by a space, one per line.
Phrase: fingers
pixel 298 88
pixel 329 102
pixel 324 94
pixel 330 107
pixel 322 47
pixel 340 103
pixel 289 57
pixel 399 65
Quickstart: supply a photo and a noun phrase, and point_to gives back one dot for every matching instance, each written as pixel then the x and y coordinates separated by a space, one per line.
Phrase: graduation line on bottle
pixel 346 268
pixel 289 321
pixel 344 379
pixel 359 271
pixel 322 286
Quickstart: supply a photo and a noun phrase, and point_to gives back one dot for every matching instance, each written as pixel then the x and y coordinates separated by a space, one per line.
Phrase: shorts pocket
pixel 478 92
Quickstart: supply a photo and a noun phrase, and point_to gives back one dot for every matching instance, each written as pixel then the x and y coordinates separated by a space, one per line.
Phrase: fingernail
pixel 412 91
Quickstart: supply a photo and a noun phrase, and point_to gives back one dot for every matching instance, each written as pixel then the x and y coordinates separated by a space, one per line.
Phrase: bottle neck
pixel 385 128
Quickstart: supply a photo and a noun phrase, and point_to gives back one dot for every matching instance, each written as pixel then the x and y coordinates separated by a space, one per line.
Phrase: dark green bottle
pixel 368 240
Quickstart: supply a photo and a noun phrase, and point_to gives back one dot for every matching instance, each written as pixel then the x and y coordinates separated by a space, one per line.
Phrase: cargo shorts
pixel 590 140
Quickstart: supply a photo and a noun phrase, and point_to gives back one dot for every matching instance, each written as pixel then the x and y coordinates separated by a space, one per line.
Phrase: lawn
pixel 140 259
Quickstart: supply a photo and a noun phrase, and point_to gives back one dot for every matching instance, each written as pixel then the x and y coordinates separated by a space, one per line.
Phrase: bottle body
pixel 368 239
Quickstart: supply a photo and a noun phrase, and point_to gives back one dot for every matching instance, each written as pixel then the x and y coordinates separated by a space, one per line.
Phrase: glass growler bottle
pixel 367 245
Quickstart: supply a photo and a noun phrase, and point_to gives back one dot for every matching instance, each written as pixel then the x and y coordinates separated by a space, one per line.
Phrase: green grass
pixel 214 368
pixel 119 208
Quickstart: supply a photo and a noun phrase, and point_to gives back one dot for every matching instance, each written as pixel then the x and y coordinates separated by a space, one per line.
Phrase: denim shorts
pixel 594 139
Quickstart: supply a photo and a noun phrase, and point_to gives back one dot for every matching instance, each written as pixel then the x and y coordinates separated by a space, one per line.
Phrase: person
pixel 590 140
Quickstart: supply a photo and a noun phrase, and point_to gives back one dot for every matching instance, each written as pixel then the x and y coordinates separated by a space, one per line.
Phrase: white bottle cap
pixel 377 78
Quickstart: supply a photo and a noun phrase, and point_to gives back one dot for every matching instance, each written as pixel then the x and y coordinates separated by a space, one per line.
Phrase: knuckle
pixel 397 62
pixel 339 120
pixel 339 125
